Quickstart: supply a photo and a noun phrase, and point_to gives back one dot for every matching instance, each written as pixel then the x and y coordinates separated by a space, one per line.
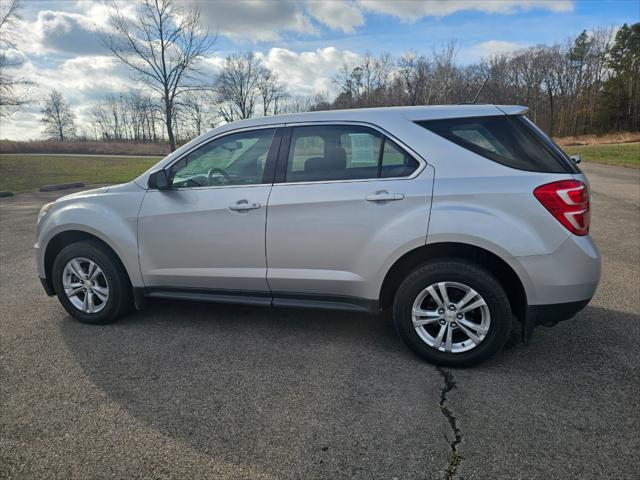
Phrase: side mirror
pixel 576 158
pixel 158 180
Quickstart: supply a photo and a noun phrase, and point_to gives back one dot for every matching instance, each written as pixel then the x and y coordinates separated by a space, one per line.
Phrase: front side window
pixel 344 152
pixel 236 159
pixel 504 139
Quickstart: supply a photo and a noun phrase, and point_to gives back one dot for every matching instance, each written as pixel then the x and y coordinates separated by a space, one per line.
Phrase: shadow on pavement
pixel 305 394
pixel 298 394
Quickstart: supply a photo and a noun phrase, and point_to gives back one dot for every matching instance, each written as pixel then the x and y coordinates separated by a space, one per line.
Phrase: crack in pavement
pixel 455 458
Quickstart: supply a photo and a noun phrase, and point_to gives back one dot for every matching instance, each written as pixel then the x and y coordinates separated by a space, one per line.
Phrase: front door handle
pixel 384 196
pixel 243 206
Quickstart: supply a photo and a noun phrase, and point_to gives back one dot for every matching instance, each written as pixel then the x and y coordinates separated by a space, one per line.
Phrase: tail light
pixel 568 202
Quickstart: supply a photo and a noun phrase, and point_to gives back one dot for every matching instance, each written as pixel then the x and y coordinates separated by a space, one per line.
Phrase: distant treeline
pixel 589 85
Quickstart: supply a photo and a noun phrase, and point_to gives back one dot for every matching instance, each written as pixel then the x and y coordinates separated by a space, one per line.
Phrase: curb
pixel 5 193
pixel 60 186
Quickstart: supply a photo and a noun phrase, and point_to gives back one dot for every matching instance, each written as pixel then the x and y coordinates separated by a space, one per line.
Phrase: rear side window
pixel 333 153
pixel 508 140
pixel 344 152
pixel 396 162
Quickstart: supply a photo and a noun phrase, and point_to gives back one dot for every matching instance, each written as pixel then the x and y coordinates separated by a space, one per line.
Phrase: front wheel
pixel 91 283
pixel 453 313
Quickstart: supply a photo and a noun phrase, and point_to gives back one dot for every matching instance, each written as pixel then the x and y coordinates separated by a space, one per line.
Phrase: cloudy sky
pixel 304 41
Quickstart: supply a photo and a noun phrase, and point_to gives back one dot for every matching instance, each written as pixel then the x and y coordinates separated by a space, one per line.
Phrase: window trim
pixel 283 157
pixel 272 157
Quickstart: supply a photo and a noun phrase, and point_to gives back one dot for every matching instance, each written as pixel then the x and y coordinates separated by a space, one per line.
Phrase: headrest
pixel 335 158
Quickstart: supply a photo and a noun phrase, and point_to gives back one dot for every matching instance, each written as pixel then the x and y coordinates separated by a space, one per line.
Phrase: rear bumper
pixel 549 315
pixel 569 275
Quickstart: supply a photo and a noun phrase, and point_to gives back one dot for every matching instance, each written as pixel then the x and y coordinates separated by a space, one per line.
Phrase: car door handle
pixel 243 206
pixel 384 196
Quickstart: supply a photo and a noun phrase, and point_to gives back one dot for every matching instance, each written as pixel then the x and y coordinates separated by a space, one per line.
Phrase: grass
pixel 22 173
pixel 613 137
pixel 622 154
pixel 84 147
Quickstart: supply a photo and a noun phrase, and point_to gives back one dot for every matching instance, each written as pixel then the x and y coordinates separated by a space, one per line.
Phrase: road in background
pixel 186 390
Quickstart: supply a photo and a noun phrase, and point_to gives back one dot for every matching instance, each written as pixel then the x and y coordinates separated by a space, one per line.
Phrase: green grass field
pixel 22 173
pixel 622 154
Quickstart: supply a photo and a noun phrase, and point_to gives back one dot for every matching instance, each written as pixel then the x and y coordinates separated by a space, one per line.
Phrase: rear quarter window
pixel 508 140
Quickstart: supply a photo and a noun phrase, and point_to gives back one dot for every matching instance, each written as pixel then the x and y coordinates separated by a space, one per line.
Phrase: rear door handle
pixel 243 206
pixel 384 196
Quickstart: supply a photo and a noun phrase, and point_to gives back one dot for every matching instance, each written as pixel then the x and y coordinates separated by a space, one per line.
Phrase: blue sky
pixel 388 33
pixel 304 41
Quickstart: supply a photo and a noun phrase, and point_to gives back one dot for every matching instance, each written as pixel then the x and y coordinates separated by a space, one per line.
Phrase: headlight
pixel 43 211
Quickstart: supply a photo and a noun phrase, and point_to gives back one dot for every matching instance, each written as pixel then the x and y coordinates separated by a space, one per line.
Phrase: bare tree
pixel 195 114
pixel 237 86
pixel 271 91
pixel 163 45
pixel 12 94
pixel 413 72
pixel 57 117
pixel 130 116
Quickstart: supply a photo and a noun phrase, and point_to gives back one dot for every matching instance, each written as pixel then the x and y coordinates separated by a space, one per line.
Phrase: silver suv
pixel 457 218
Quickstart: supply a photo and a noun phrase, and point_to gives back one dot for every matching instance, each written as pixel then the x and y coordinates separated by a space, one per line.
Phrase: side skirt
pixel 277 299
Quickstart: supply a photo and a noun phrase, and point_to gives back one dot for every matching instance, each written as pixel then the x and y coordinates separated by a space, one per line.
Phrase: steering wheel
pixel 214 170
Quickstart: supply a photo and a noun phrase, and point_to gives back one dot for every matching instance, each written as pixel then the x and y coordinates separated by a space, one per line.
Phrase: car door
pixel 207 232
pixel 346 200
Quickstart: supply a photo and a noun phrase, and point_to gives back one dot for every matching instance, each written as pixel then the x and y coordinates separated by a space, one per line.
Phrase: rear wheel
pixel 91 283
pixel 452 312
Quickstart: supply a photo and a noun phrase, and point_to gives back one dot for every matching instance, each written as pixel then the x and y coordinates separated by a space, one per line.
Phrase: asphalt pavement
pixel 195 390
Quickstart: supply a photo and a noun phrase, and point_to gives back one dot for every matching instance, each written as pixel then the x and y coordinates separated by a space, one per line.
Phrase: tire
pixel 112 276
pixel 491 320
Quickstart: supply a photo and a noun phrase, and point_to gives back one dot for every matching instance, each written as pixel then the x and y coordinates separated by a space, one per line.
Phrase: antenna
pixel 475 99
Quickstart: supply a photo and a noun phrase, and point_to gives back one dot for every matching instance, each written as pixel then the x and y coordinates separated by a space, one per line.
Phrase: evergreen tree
pixel 620 108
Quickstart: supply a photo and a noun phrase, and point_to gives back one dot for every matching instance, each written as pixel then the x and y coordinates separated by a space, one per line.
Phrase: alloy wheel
pixel 85 285
pixel 451 317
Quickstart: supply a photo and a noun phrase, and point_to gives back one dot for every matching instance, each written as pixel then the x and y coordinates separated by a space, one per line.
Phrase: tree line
pixel 589 84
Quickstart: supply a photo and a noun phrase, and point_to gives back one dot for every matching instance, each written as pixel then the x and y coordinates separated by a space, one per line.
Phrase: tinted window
pixel 504 139
pixel 236 159
pixel 344 152
pixel 333 153
pixel 396 162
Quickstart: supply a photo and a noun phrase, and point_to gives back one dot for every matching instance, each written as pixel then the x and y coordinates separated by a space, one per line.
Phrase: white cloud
pixel 488 49
pixel 411 10
pixel 253 19
pixel 60 31
pixel 343 16
pixel 308 73
pixel 82 80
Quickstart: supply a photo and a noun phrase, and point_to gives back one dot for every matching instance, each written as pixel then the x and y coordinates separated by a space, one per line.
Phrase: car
pixel 457 219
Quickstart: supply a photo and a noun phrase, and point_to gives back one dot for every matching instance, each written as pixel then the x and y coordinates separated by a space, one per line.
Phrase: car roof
pixel 431 112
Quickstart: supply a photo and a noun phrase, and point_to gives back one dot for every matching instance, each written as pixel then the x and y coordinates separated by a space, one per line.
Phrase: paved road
pixel 202 391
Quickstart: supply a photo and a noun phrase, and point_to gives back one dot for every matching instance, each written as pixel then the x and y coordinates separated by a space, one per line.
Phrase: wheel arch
pixel 67 237
pixel 505 274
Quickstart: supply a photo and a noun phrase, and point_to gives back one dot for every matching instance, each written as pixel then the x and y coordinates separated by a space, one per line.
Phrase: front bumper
pixel 47 287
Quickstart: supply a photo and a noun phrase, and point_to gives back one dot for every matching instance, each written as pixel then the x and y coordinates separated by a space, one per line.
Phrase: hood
pixel 123 187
